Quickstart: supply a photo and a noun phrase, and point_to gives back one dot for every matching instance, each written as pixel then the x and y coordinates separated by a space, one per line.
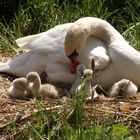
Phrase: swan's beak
pixel 73 65
pixel 73 61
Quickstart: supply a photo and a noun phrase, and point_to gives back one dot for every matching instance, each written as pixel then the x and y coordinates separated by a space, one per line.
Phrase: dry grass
pixel 107 111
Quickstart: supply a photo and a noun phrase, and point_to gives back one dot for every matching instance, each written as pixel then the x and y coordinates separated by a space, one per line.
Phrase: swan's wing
pixel 51 41
pixel 27 62
pixel 23 42
pixel 94 48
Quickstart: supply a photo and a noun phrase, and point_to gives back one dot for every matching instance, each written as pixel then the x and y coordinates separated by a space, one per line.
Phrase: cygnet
pixel 83 81
pixel 123 87
pixel 42 90
pixel 18 90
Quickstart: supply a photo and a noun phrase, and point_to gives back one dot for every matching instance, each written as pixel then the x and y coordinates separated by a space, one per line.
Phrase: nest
pixel 125 111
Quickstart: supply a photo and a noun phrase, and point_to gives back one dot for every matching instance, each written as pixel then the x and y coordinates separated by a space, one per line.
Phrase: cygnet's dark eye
pixel 29 78
pixel 82 73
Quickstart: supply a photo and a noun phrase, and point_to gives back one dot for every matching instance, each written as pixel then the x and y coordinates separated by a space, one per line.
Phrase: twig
pixel 136 110
pixel 5 125
pixel 138 101
pixel 70 114
pixel 110 112
pixel 92 80
pixel 122 121
pixel 93 68
pixel 18 117
pixel 17 133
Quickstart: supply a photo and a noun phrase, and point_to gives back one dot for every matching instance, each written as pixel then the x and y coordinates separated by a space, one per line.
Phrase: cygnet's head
pixel 87 74
pixel 80 69
pixel 32 76
pixel 20 83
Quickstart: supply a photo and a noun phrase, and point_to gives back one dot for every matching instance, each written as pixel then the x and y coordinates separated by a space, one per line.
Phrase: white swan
pixel 46 53
pixel 125 60
pixel 89 38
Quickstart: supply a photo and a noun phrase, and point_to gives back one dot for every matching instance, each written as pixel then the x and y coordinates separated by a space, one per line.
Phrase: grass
pixel 40 15
pixel 62 124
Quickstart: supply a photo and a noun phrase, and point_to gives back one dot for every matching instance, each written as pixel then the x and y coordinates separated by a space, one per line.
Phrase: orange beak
pixel 73 64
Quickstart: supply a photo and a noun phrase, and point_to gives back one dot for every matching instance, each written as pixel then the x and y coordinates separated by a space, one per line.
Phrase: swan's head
pixel 32 77
pixel 87 74
pixel 80 69
pixel 20 83
pixel 74 42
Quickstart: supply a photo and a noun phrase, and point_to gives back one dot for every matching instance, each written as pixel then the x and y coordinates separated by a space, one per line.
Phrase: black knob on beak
pixel 74 54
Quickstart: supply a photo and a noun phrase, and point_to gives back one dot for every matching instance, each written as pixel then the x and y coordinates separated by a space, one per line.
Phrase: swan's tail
pixel 23 42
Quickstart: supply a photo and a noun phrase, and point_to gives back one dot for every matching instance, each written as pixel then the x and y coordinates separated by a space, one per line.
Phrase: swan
pixel 124 59
pixel 18 90
pixel 123 87
pixel 59 50
pixel 45 52
pixel 42 90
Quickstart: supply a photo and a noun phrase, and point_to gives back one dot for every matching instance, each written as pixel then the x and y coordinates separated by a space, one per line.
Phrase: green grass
pixel 40 15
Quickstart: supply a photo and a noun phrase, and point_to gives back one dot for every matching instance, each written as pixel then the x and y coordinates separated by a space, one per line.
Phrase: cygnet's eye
pixel 29 78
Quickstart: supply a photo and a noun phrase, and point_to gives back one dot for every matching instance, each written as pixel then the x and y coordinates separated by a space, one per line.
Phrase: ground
pixel 125 111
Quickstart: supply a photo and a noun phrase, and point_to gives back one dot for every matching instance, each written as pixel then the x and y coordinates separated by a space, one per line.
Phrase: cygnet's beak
pixel 73 65
pixel 83 77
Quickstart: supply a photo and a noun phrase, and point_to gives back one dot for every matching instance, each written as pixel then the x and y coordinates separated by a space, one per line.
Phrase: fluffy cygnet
pixel 78 81
pixel 123 87
pixel 42 90
pixel 83 80
pixel 18 90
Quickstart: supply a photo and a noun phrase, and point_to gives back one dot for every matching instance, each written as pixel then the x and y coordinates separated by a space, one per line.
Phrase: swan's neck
pixel 100 29
pixel 79 32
